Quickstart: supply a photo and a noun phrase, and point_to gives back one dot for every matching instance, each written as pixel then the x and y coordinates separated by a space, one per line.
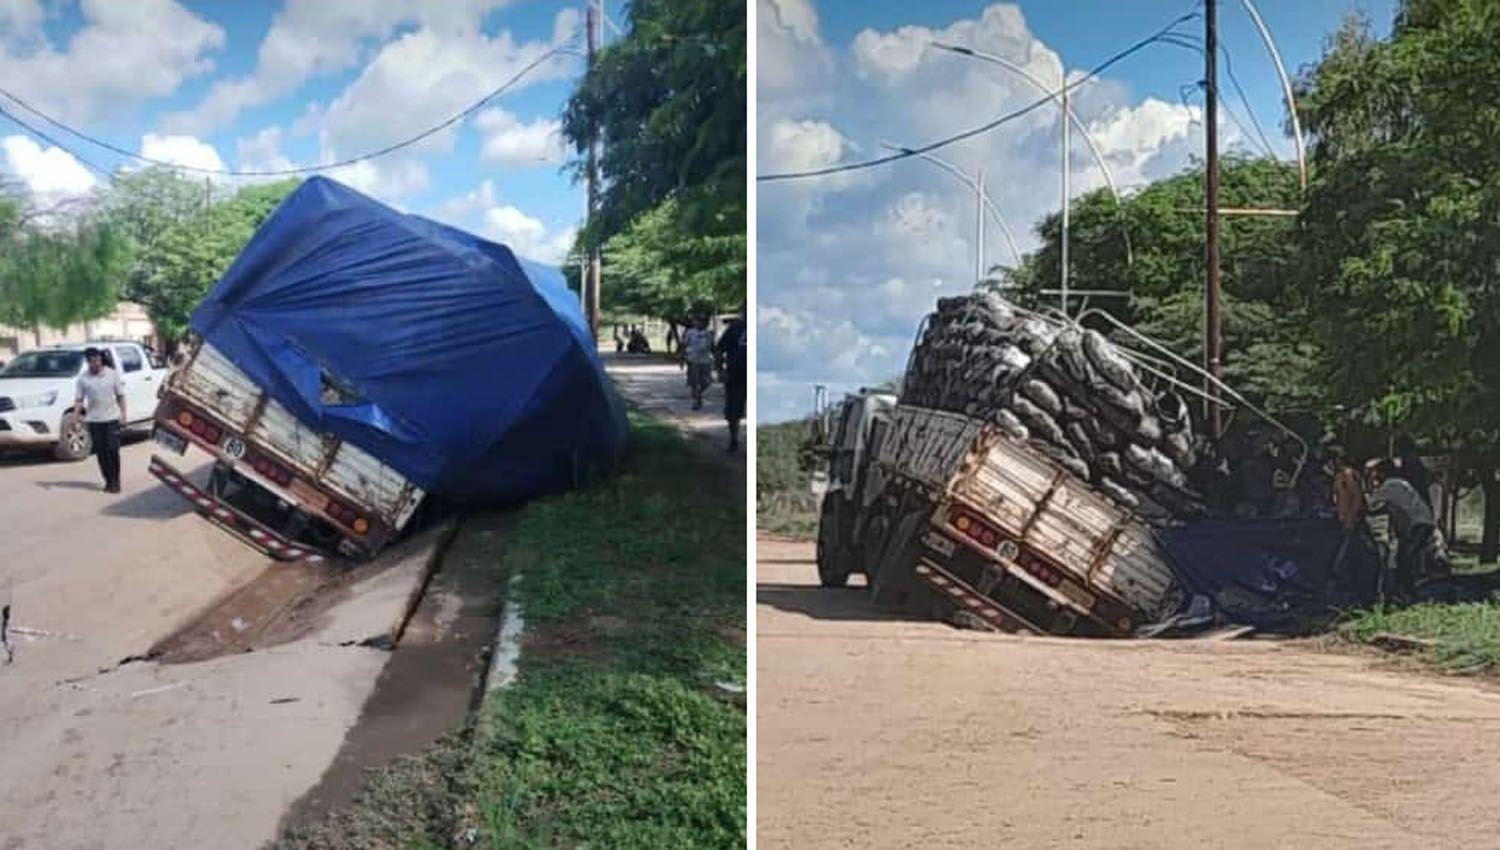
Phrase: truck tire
pixel 73 441
pixel 833 555
pixel 893 580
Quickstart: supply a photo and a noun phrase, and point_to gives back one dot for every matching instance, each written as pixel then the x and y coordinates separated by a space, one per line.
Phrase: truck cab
pixel 850 433
pixel 38 388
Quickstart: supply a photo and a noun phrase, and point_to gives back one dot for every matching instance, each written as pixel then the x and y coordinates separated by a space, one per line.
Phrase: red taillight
pixel 974 528
pixel 210 433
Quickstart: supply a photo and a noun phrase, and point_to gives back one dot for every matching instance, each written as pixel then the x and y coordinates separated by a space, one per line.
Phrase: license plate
pixel 169 440
pixel 938 543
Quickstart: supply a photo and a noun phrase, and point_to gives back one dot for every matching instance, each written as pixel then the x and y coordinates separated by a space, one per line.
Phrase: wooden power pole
pixel 1212 339
pixel 591 281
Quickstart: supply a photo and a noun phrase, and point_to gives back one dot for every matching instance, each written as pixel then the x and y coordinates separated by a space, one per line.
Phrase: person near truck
pixel 698 352
pixel 101 397
pixel 1418 549
pixel 732 349
pixel 1410 467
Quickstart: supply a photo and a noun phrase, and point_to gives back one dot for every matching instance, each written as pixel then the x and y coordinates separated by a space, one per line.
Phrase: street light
pixel 1069 117
pixel 981 202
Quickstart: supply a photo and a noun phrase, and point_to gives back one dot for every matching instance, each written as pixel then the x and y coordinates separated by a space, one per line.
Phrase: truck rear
pixel 1003 535
pixel 276 484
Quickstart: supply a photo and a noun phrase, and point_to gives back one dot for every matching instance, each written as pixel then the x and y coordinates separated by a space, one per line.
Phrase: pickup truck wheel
pixel 833 558
pixel 73 441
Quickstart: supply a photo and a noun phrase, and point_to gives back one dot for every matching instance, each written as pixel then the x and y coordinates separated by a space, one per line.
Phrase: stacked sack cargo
pixel 1068 393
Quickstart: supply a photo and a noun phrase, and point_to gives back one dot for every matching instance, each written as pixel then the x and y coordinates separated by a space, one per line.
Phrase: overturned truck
pixel 1034 475
pixel 356 364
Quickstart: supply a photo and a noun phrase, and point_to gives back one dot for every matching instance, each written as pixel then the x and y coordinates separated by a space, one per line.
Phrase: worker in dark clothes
pixel 1419 551
pixel 733 351
pixel 1409 467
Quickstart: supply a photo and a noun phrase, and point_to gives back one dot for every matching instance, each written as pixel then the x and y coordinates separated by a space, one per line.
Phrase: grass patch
pixel 1466 637
pixel 616 733
pixel 784 503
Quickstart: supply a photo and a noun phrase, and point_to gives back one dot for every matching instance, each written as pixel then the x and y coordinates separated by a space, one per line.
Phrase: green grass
pixel 783 472
pixel 1466 636
pixel 616 734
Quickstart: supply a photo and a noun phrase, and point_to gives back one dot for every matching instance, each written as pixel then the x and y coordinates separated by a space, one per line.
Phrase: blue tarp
pixel 467 370
pixel 1275 574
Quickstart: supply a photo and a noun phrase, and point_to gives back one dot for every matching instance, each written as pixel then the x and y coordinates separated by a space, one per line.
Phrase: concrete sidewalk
pixel 658 386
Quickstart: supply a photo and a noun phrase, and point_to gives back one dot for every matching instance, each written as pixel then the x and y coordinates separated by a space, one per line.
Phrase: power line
pixel 1191 43
pixel 983 128
pixel 54 143
pixel 283 172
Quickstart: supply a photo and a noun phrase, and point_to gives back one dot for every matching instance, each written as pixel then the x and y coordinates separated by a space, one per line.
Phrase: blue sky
pixel 848 265
pixel 263 85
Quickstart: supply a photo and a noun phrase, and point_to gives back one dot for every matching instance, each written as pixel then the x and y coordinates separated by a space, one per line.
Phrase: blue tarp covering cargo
pixel 467 370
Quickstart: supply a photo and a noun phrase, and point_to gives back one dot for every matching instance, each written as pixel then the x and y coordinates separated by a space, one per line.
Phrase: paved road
pixel 145 755
pixel 658 386
pixel 878 732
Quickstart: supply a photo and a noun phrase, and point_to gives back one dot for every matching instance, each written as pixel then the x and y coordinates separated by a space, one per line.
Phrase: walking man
pixel 733 357
pixel 698 351
pixel 102 398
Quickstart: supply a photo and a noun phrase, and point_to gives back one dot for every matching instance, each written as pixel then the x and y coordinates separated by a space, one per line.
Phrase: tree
pixel 58 266
pixel 668 104
pixel 184 258
pixel 1267 354
pixel 1400 243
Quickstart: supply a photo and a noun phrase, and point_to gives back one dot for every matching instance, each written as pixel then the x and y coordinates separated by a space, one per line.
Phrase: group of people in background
pixel 700 355
pixel 633 340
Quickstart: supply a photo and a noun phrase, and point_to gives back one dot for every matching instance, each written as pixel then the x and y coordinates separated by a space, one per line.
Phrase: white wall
pixel 129 321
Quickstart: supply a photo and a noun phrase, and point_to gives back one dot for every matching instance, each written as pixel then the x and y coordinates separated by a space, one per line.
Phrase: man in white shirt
pixel 101 396
pixel 698 351
pixel 1419 551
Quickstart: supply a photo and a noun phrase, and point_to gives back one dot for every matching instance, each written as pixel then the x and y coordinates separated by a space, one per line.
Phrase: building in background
pixel 128 321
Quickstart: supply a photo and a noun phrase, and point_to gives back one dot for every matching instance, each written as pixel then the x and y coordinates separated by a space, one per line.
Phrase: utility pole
pixel 208 194
pixel 979 230
pixel 1212 341
pixel 1064 119
pixel 592 281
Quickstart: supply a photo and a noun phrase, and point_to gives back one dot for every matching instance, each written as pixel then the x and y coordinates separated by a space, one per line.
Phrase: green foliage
pixel 181 252
pixel 1267 353
pixel 668 104
pixel 1466 636
pixel 616 733
pixel 56 270
pixel 1399 236
pixel 784 463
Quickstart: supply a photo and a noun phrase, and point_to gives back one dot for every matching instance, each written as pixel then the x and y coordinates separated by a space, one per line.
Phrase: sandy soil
pixel 879 732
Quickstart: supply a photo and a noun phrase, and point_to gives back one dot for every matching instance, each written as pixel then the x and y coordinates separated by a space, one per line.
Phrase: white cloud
pixel 849 264
pixel 388 180
pixel 418 80
pixel 510 141
pixel 261 151
pixel 50 174
pixel 525 235
pixel 124 54
pixel 481 211
pixel 314 37
pixel 181 150
pixel 803 145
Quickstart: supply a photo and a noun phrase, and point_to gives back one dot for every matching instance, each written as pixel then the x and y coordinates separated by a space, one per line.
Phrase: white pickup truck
pixel 38 387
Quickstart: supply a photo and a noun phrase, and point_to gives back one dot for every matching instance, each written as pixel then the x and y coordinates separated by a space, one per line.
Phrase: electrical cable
pixel 388 149
pixel 983 128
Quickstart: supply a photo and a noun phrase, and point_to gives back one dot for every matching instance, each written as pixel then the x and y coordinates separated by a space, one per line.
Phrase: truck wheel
pixel 893 582
pixel 73 441
pixel 833 559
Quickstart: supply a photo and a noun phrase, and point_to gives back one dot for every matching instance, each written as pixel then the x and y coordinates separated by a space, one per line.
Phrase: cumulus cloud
pixel 124 54
pixel 308 38
pixel 849 264
pixel 261 151
pixel 482 211
pixel 50 174
pixel 390 179
pixel 510 141
pixel 181 150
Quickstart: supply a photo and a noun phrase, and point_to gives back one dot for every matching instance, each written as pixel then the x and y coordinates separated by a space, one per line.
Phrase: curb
pixel 502 666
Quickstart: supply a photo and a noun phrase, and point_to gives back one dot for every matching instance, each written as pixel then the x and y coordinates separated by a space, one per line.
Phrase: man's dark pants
pixel 106 437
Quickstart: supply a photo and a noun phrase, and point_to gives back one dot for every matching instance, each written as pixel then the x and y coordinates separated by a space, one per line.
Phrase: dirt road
pixel 877 732
pixel 208 754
